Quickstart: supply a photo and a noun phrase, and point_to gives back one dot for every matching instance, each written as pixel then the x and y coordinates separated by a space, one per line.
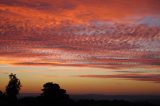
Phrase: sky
pixel 86 46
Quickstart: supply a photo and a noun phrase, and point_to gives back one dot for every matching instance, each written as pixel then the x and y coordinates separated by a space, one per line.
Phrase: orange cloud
pixel 83 10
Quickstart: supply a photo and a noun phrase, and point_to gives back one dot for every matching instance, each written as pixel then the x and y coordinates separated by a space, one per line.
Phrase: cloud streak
pixel 138 77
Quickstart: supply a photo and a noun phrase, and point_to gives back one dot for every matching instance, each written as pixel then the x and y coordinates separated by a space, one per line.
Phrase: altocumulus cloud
pixel 52 33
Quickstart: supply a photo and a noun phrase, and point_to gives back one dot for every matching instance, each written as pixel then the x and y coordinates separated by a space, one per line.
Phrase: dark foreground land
pixel 39 101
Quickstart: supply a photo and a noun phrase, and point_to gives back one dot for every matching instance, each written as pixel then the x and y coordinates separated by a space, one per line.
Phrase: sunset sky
pixel 86 46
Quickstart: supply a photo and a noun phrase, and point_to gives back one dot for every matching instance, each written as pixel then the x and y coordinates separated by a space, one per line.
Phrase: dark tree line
pixel 51 93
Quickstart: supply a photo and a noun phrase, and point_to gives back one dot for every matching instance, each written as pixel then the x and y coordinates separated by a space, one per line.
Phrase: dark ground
pixel 86 100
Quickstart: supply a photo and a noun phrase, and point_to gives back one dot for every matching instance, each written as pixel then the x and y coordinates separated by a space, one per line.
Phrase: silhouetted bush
pixel 53 94
pixel 53 91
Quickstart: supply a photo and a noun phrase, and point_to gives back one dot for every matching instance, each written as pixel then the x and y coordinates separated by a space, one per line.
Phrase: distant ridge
pixel 117 97
pixel 102 97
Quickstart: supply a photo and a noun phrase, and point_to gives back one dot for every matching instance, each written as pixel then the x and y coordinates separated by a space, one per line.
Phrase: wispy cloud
pixel 138 77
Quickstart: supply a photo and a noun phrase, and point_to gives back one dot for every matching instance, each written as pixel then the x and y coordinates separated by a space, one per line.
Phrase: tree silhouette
pixel 13 88
pixel 53 94
pixel 53 90
pixel 1 94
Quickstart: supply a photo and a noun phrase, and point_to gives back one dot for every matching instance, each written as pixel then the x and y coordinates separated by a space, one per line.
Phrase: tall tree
pixel 1 94
pixel 13 88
